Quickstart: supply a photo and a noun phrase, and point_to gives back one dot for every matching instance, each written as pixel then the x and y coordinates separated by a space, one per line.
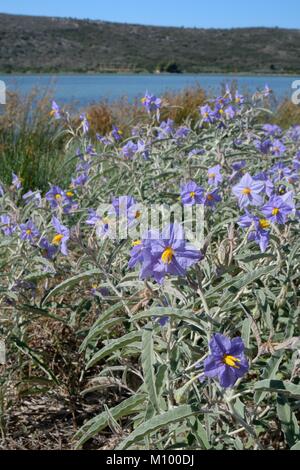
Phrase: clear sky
pixel 199 13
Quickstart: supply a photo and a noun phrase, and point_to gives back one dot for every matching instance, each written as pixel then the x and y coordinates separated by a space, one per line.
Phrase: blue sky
pixel 199 13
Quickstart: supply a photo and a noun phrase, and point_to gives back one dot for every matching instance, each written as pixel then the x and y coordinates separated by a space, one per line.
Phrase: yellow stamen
pixel 167 255
pixel 28 232
pixel 70 193
pixel 275 211
pixel 211 175
pixel 231 361
pixel 210 197
pixel 143 100
pixel 138 214
pixel 221 111
pixel 57 239
pixel 264 223
pixel 137 243
pixel 57 196
pixel 247 191
pixel 192 194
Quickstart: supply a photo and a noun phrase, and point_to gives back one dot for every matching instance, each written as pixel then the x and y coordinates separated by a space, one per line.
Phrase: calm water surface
pixel 85 89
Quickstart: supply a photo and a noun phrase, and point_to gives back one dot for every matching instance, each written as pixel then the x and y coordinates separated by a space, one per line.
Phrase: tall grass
pixel 30 144
pixel 287 115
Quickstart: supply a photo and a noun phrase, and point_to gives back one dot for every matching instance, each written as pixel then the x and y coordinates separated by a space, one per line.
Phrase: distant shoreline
pixel 93 74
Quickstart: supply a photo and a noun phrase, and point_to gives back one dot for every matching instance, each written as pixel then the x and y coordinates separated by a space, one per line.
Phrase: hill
pixel 52 45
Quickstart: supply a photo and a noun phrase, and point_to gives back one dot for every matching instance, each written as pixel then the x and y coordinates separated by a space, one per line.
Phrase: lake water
pixel 85 89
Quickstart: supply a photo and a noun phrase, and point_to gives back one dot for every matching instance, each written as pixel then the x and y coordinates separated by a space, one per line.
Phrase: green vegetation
pixel 53 45
pixel 35 150
pixel 127 342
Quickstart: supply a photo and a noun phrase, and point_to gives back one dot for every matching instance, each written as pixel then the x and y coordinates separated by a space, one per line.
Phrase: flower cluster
pixel 164 253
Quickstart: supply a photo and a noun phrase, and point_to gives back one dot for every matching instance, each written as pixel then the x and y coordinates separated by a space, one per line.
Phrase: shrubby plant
pixel 200 341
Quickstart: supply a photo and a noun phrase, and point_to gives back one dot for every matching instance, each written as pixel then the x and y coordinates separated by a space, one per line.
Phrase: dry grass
pixel 287 115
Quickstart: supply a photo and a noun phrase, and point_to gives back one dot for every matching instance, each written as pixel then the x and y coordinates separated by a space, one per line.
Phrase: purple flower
pixel 182 132
pixel 103 139
pixel 55 110
pixel 227 361
pixel 7 227
pixel 288 198
pixel 83 166
pixel 48 250
pixel 165 253
pixel 143 150
pixel 277 148
pixel 80 180
pixel 191 194
pixel 237 166
pixel 84 123
pixel 16 181
pixel 93 217
pixel 277 210
pixel 55 196
pixel 61 237
pixel 130 149
pixel 103 224
pixel 117 133
pixel 229 112
pixel 238 170
pixel 259 229
pixel 166 129
pixel 247 191
pixel 90 150
pixel 29 231
pixel 207 113
pixel 136 253
pixel 122 204
pixel 221 101
pixel 211 198
pixel 134 214
pixel 214 175
pixel 219 112
pixel 280 171
pixel 151 103
pixel 272 130
pixel 268 186
pixel 239 99
pixel 162 321
pixel 263 146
